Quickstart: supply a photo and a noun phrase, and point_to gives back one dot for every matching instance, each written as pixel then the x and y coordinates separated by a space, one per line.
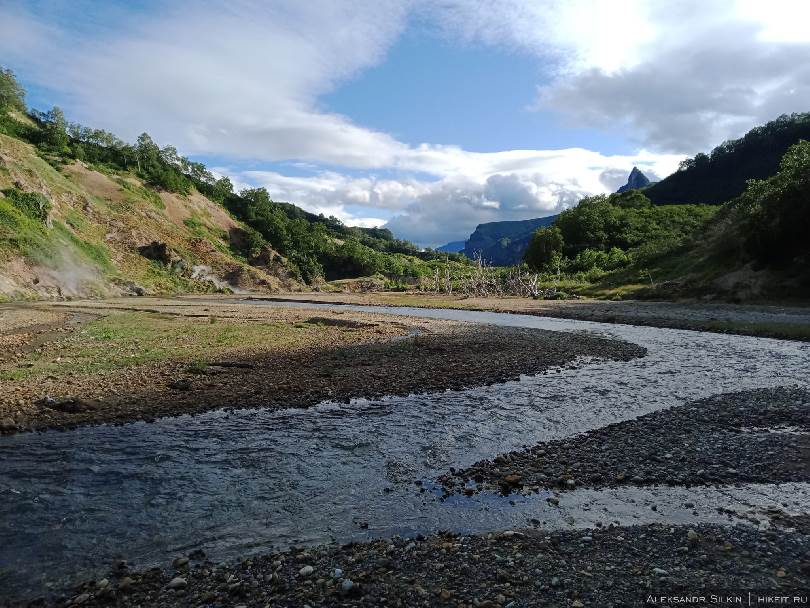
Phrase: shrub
pixel 32 204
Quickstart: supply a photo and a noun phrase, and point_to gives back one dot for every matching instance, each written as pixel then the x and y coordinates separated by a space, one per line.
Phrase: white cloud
pixel 243 81
pixel 475 188
pixel 676 76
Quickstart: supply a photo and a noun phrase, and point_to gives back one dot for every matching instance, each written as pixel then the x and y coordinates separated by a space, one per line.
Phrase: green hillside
pixel 722 174
pixel 753 247
pixel 83 213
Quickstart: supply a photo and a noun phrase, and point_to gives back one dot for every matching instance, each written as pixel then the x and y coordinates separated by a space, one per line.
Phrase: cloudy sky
pixel 427 116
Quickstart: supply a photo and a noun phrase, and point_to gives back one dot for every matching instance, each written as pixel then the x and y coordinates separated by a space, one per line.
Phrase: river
pixel 233 483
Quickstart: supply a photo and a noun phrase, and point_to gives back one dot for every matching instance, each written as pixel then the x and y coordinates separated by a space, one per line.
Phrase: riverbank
pixel 759 436
pixel 769 321
pixel 124 360
pixel 578 568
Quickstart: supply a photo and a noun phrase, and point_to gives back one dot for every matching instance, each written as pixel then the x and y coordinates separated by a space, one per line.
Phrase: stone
pixel 347 585
pixel 577 604
pixel 80 599
pixel 177 583
pixel 125 583
pixel 692 536
pixel 660 572
pixel 513 479
pixel 337 573
pixel 180 562
pixel 181 384
pixel 306 571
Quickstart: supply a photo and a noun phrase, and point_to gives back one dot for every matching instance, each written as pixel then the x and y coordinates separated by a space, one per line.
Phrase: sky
pixel 424 116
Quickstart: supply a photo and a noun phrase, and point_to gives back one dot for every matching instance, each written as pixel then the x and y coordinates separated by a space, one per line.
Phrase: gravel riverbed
pixel 752 436
pixel 347 355
pixel 600 568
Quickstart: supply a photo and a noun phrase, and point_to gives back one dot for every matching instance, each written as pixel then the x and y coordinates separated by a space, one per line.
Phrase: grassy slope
pixel 98 220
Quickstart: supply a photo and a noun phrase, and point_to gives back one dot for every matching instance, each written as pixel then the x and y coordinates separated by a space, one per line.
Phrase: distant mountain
pixel 503 243
pixel 635 181
pixel 452 247
pixel 721 175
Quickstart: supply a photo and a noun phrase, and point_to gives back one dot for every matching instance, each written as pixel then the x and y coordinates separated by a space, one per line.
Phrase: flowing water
pixel 232 483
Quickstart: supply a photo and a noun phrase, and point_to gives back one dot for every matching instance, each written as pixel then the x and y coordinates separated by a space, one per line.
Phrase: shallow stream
pixel 232 483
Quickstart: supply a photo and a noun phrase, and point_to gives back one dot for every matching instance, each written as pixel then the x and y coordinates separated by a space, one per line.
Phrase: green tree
pixel 777 210
pixel 55 135
pixel 12 95
pixel 222 189
pixel 546 243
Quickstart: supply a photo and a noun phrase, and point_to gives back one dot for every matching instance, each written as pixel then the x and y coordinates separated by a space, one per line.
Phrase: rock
pixel 577 604
pixel 555 582
pixel 445 595
pixel 177 583
pixel 692 536
pixel 337 573
pixel 181 384
pixel 347 585
pixel 306 571
pixel 159 252
pixel 180 562
pixel 103 583
pixel 781 573
pixel 80 599
pixel 553 500
pixel 660 572
pixel 570 483
pixel 125 583
pixel 7 424
pixel 513 479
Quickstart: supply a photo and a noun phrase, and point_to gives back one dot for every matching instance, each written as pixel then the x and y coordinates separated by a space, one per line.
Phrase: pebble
pixel 306 571
pixel 180 562
pixel 177 583
pixel 80 599
pixel 181 384
pixel 660 572
pixel 337 573
pixel 347 585
pixel 126 583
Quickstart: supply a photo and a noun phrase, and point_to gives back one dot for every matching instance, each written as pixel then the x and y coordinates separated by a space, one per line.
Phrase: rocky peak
pixel 635 181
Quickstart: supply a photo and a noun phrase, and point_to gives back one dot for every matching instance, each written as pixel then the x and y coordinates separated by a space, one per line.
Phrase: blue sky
pixel 428 118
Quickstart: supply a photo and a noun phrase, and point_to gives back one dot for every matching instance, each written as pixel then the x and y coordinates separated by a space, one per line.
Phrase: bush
pixel 32 204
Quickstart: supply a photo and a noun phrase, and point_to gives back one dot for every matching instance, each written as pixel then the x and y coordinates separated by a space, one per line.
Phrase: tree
pixel 55 133
pixel 147 153
pixel 222 189
pixel 12 95
pixel 546 244
pixel 777 210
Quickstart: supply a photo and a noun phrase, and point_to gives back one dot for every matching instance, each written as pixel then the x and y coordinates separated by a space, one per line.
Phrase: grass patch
pixel 138 338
